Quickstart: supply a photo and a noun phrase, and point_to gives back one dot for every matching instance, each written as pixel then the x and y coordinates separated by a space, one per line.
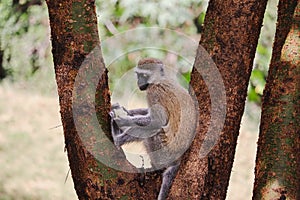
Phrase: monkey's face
pixel 143 81
pixel 149 72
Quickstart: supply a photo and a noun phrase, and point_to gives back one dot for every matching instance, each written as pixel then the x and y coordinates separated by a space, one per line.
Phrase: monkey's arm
pixel 140 111
pixel 118 129
pixel 155 119
pixel 124 117
pixel 120 136
pixel 136 120
pixel 138 127
pixel 123 122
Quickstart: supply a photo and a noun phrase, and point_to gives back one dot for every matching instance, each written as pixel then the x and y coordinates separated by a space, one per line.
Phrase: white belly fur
pixel 136 154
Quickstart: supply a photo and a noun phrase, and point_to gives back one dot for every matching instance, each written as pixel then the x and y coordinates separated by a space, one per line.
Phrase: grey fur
pixel 167 127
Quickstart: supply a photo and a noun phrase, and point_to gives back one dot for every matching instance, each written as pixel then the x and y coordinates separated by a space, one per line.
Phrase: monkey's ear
pixel 166 128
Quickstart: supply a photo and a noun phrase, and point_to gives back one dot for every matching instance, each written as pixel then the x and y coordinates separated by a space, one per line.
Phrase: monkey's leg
pixel 124 138
pixel 167 180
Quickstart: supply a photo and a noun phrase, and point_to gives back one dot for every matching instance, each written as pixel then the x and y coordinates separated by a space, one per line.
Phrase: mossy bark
pixel 76 48
pixel 231 31
pixel 277 172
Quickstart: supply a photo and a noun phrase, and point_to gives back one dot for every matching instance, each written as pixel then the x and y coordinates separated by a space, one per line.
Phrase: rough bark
pixel 77 54
pixel 231 31
pixel 278 160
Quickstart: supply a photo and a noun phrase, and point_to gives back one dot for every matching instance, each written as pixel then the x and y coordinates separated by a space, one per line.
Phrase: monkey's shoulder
pixel 168 94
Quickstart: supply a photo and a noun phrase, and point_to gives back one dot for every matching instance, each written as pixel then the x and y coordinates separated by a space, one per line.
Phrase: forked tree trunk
pixel 82 80
pixel 230 36
pixel 277 174
pixel 231 31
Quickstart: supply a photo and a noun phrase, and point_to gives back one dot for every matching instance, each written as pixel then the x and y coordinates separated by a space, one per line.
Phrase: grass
pixel 32 158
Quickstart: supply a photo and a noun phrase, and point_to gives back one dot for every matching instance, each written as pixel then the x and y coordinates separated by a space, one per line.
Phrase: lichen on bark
pixel 278 160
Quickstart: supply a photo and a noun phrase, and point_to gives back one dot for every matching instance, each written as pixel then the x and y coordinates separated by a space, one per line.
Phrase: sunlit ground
pixel 33 164
pixel 32 158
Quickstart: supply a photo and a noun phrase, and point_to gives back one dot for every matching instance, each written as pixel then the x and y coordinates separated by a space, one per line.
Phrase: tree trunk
pixel 84 105
pixel 231 31
pixel 278 160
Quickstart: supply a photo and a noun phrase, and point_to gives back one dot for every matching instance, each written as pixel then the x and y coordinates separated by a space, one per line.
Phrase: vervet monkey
pixel 166 128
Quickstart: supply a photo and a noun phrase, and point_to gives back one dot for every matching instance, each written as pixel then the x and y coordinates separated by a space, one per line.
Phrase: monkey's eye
pixel 142 75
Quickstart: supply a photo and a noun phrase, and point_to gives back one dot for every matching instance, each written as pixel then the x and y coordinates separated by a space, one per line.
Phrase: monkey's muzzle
pixel 143 86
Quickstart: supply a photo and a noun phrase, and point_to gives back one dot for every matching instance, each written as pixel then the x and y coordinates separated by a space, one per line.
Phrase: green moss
pixel 88 46
pixel 105 172
pixel 124 197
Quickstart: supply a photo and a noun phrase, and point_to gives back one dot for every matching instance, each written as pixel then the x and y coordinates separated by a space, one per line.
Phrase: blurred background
pixel 33 164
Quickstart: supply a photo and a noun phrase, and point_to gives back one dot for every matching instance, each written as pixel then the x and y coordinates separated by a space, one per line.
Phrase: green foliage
pixel 123 15
pixel 263 53
pixel 23 27
pixel 164 13
pixel 257 83
pixel 24 36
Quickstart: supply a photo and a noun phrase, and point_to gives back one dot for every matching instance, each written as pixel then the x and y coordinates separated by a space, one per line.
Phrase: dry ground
pixel 32 159
pixel 33 164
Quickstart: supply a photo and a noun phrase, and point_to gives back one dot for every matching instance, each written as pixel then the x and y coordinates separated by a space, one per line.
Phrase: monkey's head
pixel 149 71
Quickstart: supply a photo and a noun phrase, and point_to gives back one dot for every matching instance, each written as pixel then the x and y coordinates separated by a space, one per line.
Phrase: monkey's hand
pixel 118 111
pixel 124 121
pixel 122 131
pixel 136 120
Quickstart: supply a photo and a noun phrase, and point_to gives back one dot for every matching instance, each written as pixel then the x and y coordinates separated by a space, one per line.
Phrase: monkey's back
pixel 179 131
